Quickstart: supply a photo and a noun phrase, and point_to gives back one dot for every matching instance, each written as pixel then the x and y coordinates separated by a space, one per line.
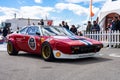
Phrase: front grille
pixel 85 49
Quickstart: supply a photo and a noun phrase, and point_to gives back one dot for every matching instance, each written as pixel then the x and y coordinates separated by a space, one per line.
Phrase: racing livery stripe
pixel 83 42
pixel 73 37
pixel 86 42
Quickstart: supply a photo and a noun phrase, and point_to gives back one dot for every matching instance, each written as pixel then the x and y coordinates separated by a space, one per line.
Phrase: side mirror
pixel 38 33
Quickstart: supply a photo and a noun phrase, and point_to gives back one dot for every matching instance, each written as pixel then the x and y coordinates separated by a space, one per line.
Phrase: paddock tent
pixel 110 9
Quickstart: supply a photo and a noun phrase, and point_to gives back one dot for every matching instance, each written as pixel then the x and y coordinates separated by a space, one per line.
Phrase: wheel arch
pixel 50 44
pixel 13 42
pixel 51 57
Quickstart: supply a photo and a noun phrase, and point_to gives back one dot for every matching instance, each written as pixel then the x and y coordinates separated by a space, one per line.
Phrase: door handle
pixel 24 37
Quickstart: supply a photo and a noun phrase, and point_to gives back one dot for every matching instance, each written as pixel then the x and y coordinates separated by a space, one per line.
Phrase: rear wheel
pixel 47 52
pixel 10 49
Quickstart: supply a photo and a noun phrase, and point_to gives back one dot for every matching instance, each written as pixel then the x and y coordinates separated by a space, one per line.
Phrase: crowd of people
pixel 64 24
pixel 72 28
pixel 113 25
pixel 6 30
pixel 94 27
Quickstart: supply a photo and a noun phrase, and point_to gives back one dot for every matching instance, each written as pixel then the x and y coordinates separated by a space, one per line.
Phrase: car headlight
pixel 75 49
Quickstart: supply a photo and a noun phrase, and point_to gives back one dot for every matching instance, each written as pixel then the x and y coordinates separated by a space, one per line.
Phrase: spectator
pixel 60 24
pixel 116 24
pixel 74 29
pixel 95 26
pixel 9 30
pixel 113 22
pixel 109 25
pixel 65 25
pixel 119 17
pixel 116 27
pixel 0 31
pixel 33 23
pixel 5 31
pixel 89 26
pixel 17 29
pixel 41 22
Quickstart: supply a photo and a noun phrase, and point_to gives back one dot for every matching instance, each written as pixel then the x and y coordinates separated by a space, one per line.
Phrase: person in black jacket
pixel 116 24
pixel 95 26
pixel 5 31
pixel 41 22
pixel 116 27
pixel 65 25
pixel 74 29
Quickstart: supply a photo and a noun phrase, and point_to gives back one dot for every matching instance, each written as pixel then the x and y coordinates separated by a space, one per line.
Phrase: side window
pixel 24 30
pixel 33 30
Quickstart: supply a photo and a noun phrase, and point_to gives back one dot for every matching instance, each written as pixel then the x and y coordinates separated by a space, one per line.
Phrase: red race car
pixel 52 42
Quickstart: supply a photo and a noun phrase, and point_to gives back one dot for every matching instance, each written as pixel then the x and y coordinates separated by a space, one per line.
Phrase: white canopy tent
pixel 111 6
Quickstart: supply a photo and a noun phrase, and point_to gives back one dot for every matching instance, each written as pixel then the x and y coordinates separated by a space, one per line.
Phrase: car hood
pixel 76 40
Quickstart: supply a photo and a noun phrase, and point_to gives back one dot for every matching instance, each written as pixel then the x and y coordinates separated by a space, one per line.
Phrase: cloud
pixel 42 12
pixel 86 1
pixel 38 1
pixel 76 9
pixel 7 13
pixel 7 10
pixel 34 12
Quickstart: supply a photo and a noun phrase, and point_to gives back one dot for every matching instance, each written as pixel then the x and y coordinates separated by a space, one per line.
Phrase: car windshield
pixel 55 30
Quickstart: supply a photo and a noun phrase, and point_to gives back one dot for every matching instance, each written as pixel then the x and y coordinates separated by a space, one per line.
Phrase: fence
pixel 108 38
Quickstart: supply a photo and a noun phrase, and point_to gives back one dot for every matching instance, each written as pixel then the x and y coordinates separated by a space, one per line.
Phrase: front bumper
pixel 72 56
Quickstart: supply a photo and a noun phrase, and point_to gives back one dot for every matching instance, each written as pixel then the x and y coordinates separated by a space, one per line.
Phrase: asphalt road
pixel 33 67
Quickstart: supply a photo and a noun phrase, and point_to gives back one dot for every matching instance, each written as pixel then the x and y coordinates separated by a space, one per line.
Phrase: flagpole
pixel 91 19
pixel 91 13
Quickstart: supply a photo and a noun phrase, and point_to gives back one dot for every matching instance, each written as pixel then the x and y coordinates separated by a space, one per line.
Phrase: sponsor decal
pixel 32 43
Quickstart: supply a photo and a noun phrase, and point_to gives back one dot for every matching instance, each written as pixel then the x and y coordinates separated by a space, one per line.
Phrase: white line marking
pixel 114 55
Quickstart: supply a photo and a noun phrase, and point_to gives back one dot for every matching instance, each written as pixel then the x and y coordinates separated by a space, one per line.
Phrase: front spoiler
pixel 73 56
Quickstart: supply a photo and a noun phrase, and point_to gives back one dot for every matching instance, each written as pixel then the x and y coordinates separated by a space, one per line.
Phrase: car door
pixel 32 40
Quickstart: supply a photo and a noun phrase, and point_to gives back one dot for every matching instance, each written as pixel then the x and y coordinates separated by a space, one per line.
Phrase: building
pixel 21 22
pixel 110 9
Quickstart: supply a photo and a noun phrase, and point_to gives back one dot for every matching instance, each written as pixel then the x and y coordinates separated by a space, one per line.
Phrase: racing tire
pixel 10 49
pixel 47 52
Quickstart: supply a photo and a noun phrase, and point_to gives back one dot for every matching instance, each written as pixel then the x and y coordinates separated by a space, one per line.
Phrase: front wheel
pixel 10 49
pixel 47 52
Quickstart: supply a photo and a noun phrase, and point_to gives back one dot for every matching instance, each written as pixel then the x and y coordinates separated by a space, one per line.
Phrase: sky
pixel 72 11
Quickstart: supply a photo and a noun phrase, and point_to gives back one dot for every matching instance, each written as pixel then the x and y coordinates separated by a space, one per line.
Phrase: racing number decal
pixel 32 43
